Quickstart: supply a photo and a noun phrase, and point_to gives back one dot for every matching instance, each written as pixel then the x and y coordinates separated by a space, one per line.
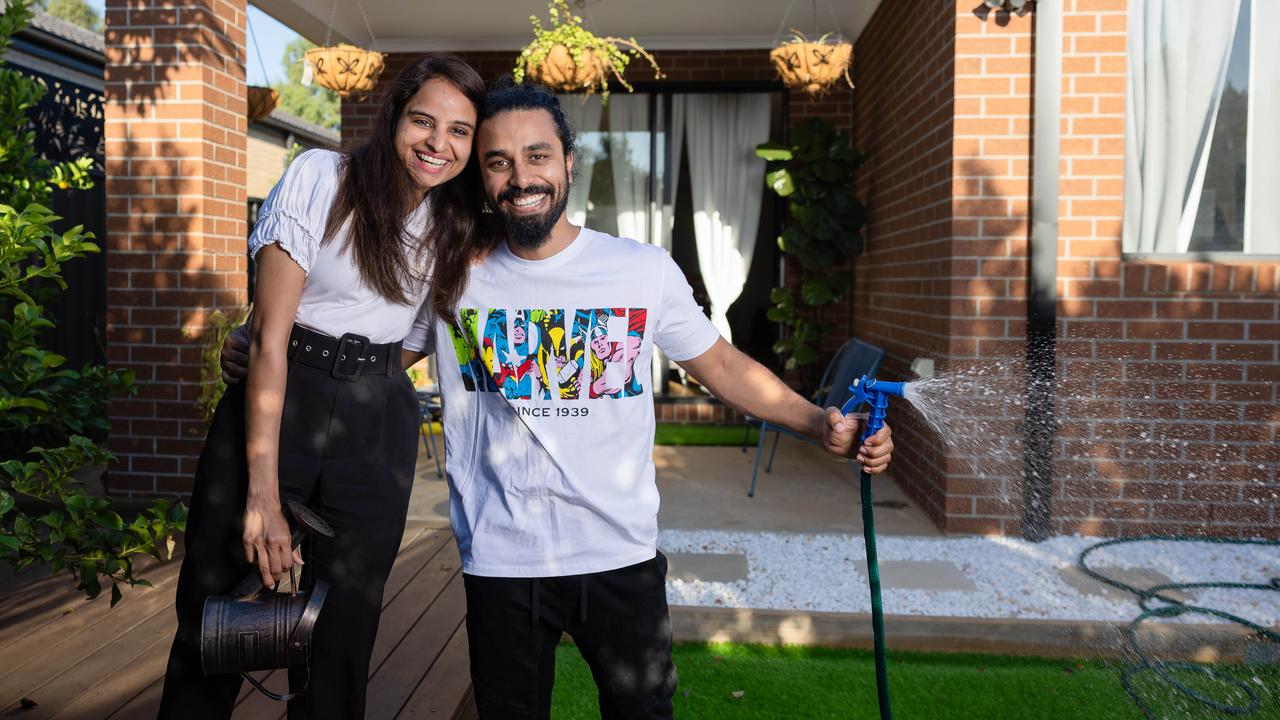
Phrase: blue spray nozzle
pixel 876 394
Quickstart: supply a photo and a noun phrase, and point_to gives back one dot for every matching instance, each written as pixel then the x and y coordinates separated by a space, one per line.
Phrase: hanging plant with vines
pixel 814 172
pixel 569 57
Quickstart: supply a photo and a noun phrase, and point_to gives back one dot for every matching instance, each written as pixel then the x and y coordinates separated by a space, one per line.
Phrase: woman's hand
pixel 267 539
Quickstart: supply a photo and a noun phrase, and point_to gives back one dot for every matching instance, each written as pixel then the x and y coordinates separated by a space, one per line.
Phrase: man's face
pixel 525 173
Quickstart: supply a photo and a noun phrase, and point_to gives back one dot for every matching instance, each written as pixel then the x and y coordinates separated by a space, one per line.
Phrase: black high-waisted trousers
pixel 347 450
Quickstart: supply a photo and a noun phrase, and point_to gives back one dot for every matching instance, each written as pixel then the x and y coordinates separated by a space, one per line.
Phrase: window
pixel 1202 160
pixel 679 170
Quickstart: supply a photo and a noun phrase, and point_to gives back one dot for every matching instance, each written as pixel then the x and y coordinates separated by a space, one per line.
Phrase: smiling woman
pixel 344 246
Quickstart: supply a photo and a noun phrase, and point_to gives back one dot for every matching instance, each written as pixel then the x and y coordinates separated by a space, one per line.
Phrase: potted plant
pixel 262 100
pixel 814 172
pixel 569 57
pixel 812 66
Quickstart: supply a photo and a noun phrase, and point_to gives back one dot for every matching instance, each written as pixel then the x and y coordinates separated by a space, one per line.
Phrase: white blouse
pixel 335 300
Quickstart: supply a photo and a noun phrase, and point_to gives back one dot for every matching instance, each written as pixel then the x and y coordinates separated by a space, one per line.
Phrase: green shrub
pixel 53 419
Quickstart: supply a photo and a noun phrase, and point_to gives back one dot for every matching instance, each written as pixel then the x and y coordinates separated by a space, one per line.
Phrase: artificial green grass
pixel 701 434
pixel 798 682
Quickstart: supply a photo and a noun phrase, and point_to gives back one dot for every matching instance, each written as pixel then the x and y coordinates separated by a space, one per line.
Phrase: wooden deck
pixel 65 657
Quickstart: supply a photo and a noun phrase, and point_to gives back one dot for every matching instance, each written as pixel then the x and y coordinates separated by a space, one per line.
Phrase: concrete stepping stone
pixel 937 575
pixel 707 567
pixel 1135 577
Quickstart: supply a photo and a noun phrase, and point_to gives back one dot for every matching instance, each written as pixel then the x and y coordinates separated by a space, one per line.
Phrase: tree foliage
pixel 314 104
pixel 814 172
pixel 78 12
pixel 53 418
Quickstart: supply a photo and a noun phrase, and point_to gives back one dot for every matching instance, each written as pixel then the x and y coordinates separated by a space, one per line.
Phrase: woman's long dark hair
pixel 374 181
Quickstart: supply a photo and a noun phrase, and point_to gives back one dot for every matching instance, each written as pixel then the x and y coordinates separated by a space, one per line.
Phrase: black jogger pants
pixel 347 450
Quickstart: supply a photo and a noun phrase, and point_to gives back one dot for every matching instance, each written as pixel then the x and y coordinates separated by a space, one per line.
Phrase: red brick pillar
pixel 176 207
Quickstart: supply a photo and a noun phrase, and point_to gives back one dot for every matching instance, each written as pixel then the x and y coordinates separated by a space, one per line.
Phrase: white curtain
pixel 1262 158
pixel 629 138
pixel 583 113
pixel 1178 55
pixel 722 132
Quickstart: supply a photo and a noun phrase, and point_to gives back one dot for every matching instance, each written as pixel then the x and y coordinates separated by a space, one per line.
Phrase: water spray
pixel 876 394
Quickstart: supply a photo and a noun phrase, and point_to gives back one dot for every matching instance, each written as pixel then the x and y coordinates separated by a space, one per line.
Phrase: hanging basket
pixel 262 100
pixel 559 71
pixel 812 66
pixel 345 69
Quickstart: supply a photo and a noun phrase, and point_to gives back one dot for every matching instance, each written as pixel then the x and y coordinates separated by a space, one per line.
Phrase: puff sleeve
pixel 295 212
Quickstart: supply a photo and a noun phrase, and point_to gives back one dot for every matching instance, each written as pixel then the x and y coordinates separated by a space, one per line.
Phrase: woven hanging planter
pixel 558 70
pixel 262 100
pixel 812 66
pixel 345 69
pixel 569 57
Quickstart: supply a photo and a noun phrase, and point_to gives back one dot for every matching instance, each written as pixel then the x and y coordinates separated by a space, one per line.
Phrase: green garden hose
pixel 877 608
pixel 1174 608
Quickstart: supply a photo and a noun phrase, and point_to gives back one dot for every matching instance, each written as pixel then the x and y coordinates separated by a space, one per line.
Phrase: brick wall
pixel 1168 369
pixel 903 114
pixel 175 127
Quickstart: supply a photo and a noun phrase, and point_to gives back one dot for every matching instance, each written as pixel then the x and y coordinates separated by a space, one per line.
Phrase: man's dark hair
pixel 506 95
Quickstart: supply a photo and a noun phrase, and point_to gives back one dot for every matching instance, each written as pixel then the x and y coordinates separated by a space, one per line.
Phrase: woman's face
pixel 433 137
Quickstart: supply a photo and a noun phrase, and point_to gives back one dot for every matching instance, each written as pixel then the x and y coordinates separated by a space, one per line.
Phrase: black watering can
pixel 258 628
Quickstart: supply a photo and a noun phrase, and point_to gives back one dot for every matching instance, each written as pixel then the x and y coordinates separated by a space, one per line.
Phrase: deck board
pixel 82 659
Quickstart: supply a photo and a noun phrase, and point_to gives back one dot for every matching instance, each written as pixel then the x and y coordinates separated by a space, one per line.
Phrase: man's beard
pixel 532 231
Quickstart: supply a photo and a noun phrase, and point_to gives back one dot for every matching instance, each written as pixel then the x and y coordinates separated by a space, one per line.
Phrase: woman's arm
pixel 266 535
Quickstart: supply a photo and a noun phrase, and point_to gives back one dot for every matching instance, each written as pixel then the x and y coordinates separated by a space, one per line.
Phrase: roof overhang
pixel 475 25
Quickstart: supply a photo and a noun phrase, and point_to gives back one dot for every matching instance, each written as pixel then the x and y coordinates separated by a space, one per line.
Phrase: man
pixel 553 499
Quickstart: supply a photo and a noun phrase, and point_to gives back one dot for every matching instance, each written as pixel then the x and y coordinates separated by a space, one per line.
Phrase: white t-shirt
pixel 335 300
pixel 548 404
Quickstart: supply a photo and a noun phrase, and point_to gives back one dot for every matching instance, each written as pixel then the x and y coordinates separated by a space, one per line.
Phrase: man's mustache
pixel 510 194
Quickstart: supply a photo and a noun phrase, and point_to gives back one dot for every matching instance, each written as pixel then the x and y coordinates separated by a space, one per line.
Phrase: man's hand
pixel 842 432
pixel 235 355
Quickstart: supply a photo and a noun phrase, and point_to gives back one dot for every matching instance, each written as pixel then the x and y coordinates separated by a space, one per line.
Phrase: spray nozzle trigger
pixel 876 394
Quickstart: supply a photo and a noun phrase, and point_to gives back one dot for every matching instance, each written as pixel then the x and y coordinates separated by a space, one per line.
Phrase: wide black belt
pixel 347 357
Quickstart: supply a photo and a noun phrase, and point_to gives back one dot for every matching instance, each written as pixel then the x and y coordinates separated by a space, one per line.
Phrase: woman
pixel 344 247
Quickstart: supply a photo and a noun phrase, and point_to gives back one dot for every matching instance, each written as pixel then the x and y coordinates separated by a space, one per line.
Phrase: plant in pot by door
pixel 814 172
pixel 569 57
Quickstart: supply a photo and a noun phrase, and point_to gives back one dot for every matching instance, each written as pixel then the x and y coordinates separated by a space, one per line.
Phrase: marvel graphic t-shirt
pixel 548 404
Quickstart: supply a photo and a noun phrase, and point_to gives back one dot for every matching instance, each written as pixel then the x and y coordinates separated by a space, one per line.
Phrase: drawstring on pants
pixel 535 593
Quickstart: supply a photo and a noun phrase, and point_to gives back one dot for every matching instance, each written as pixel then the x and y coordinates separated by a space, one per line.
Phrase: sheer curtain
pixel 583 114
pixel 1178 55
pixel 629 138
pixel 721 132
pixel 1262 172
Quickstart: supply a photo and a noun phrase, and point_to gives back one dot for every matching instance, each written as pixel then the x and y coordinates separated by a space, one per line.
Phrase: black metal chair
pixel 853 360
pixel 431 411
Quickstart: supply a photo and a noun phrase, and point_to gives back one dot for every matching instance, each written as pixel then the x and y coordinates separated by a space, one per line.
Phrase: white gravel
pixel 1014 578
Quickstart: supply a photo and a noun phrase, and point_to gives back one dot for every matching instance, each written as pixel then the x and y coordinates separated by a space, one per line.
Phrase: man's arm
pixel 749 387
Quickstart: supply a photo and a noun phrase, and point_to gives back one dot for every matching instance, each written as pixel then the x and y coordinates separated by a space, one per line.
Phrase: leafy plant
pixel 570 57
pixel 815 173
pixel 52 418
pixel 211 384
pixel 315 103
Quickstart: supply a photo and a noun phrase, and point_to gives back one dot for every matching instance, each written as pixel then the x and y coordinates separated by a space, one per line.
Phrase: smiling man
pixel 549 425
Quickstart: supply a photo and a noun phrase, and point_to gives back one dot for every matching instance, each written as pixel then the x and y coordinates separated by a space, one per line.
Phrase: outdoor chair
pixel 853 360
pixel 431 410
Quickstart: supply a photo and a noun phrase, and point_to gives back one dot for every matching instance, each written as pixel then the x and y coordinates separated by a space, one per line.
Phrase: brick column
pixel 176 206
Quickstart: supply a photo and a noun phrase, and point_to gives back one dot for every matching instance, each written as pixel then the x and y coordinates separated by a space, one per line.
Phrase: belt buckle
pixel 346 366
